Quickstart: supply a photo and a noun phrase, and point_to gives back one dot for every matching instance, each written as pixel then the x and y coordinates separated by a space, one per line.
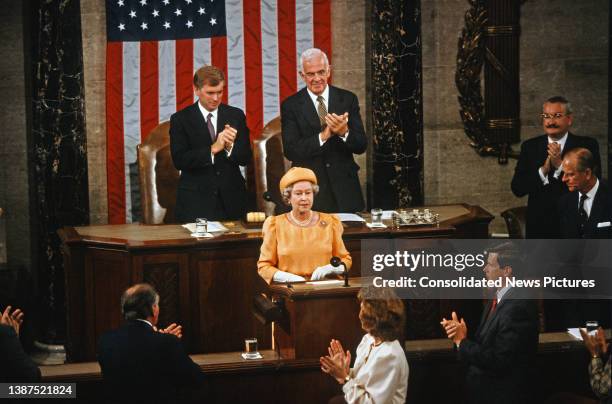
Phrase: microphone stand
pixel 336 262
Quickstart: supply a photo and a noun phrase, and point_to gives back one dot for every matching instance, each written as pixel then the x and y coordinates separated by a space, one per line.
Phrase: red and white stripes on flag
pixel 146 82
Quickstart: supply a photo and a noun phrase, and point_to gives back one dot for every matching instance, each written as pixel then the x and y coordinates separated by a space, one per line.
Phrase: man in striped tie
pixel 321 130
pixel 209 141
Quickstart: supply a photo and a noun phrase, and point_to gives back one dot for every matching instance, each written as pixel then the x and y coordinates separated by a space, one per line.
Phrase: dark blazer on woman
pixel 204 184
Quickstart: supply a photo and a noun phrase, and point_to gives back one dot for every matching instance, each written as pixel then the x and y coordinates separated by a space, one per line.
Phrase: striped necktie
pixel 321 111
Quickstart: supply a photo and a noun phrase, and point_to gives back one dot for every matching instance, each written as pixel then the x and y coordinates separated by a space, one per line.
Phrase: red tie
pixel 493 306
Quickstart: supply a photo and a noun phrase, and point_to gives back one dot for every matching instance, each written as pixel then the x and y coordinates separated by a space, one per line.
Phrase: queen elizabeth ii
pixel 298 245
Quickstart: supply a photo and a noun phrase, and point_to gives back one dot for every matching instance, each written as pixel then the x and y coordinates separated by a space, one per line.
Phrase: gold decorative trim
pixel 503 123
pixel 471 54
pixel 502 30
pixel 470 59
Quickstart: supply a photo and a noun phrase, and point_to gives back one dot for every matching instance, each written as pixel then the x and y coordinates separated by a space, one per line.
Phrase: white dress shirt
pixel 213 119
pixel 588 203
pixel 557 172
pixel 383 378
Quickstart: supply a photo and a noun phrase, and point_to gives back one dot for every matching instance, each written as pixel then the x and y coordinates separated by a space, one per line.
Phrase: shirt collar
pixel 500 293
pixel 145 321
pixel 205 112
pixel 324 94
pixel 593 191
pixel 560 141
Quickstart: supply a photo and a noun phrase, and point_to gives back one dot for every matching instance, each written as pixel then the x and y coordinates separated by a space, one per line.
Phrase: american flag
pixel 155 46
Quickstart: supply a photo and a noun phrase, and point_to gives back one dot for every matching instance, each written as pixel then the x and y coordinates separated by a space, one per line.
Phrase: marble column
pixel 60 147
pixel 397 159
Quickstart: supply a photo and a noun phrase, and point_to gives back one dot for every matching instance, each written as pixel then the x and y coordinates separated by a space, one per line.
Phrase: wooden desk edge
pixel 232 362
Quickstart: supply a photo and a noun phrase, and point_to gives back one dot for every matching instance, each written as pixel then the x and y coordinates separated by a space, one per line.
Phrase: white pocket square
pixel 604 224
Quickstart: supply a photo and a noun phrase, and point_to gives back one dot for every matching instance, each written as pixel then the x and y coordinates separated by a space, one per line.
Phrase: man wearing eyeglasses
pixel 321 130
pixel 539 170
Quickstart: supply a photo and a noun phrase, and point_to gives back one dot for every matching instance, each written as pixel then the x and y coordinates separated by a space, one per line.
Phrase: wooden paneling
pixel 226 282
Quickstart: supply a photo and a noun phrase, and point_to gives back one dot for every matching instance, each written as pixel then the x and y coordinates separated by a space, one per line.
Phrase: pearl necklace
pixel 301 223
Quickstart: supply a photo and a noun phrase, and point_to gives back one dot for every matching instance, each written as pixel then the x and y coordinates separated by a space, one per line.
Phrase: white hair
pixel 310 54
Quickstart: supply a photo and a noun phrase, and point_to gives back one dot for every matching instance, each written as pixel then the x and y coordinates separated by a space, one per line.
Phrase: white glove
pixel 284 277
pixel 325 270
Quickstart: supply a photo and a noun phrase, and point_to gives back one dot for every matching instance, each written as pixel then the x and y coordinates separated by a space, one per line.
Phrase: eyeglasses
pixel 312 75
pixel 558 115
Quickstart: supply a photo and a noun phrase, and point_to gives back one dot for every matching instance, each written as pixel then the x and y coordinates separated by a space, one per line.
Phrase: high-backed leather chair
pixel 270 165
pixel 157 176
pixel 515 221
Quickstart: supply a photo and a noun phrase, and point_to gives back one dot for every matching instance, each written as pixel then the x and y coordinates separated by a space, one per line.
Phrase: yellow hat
pixel 296 174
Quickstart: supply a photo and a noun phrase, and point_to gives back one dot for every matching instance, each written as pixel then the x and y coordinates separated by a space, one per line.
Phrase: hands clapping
pixel 13 319
pixel 596 344
pixel 455 329
pixel 173 329
pixel 335 125
pixel 338 363
pixel 338 124
pixel 554 155
pixel 225 139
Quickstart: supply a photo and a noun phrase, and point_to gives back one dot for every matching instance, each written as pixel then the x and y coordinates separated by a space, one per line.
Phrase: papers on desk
pixel 575 332
pixel 213 227
pixel 325 283
pixel 349 217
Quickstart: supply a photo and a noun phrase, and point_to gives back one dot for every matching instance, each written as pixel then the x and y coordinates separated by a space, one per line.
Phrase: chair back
pixel 515 221
pixel 270 166
pixel 157 176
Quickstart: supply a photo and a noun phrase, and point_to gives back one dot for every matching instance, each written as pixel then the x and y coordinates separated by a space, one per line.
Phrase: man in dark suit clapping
pixel 141 363
pixel 501 352
pixel 539 172
pixel 322 129
pixel 209 141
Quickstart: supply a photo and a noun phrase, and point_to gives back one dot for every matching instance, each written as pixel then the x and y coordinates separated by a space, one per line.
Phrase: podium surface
pixel 314 313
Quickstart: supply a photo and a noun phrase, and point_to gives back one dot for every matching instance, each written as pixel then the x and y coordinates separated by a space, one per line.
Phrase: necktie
pixel 211 128
pixel 492 309
pixel 321 111
pixel 582 215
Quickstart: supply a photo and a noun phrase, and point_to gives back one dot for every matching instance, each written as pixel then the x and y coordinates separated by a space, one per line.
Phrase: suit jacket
pixel 600 215
pixel 542 217
pixel 500 354
pixel 333 163
pixel 142 365
pixel 15 364
pixel 203 183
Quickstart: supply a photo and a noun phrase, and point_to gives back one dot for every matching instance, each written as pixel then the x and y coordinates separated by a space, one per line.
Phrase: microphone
pixel 336 262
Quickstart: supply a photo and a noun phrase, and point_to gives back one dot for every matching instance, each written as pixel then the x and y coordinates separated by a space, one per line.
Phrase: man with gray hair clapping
pixel 139 362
